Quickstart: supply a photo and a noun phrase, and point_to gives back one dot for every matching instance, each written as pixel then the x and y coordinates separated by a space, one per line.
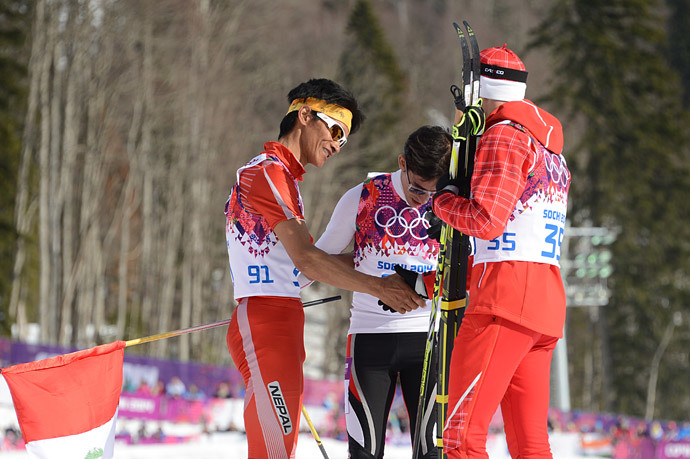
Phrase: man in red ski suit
pixel 516 311
pixel 268 245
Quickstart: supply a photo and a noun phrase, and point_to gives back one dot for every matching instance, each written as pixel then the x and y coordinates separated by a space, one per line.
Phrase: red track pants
pixel 266 342
pixel 494 362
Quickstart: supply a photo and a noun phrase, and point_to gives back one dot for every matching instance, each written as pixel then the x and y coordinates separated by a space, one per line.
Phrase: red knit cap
pixel 503 75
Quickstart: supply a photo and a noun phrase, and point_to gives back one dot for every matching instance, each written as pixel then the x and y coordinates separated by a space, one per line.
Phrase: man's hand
pixel 317 265
pixel 397 296
pixel 414 280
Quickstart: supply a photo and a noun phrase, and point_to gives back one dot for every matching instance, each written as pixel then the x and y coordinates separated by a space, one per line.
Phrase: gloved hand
pixel 446 185
pixel 435 225
pixel 414 279
pixel 386 307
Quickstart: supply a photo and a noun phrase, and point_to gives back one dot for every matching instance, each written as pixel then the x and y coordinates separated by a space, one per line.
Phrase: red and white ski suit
pixel 265 336
pixel 516 312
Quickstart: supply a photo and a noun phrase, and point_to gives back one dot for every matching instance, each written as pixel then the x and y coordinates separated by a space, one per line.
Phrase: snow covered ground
pixel 233 445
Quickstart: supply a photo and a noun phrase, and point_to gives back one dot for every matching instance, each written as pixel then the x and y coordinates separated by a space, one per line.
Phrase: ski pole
pixel 321 300
pixel 314 433
pixel 170 334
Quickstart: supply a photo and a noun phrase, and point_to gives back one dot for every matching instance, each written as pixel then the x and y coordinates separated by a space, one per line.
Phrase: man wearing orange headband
pixel 268 245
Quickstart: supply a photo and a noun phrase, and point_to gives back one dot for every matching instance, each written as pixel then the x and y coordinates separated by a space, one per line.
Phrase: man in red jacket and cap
pixel 516 213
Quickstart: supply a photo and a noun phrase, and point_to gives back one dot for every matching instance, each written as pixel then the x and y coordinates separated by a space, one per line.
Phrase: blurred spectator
pixel 643 445
pixel 141 433
pixel 128 385
pixel 143 389
pixel 642 430
pixel 393 428
pixel 656 431
pixel 158 436
pixel 330 401
pixel 403 418
pixel 12 440
pixel 334 422
pixel 158 388
pixel 671 431
pixel 223 390
pixel 684 431
pixel 552 423
pixel 621 449
pixel 194 393
pixel 175 387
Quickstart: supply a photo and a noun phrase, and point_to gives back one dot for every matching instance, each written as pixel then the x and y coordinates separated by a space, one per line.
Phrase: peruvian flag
pixel 67 405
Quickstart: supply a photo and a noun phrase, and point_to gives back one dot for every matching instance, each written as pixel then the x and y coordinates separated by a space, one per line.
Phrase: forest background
pixel 122 123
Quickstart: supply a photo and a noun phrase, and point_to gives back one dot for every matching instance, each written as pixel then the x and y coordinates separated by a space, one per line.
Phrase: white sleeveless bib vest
pixel 535 229
pixel 259 263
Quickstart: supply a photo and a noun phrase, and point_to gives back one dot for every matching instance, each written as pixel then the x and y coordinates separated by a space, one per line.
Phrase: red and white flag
pixel 67 405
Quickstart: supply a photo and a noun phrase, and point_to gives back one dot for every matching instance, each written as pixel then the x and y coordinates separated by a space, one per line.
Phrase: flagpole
pixel 170 334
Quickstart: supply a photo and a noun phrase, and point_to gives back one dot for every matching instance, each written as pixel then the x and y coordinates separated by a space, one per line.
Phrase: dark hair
pixel 325 89
pixel 427 152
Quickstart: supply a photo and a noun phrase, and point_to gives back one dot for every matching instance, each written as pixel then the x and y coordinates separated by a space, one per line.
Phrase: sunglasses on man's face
pixel 413 189
pixel 337 132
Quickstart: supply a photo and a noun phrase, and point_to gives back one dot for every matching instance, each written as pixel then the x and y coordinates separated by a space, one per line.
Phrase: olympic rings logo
pixel 557 168
pixel 397 225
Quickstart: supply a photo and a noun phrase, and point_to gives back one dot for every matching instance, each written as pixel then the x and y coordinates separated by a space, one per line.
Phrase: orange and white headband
pixel 334 111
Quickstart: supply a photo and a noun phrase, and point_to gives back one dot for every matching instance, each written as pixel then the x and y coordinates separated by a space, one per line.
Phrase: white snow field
pixel 233 445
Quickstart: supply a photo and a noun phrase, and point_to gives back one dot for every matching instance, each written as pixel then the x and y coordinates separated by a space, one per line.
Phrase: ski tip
pixel 469 29
pixel 461 33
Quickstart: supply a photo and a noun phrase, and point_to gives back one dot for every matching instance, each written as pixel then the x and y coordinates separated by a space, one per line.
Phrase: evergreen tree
pixel 679 42
pixel 369 68
pixel 628 152
pixel 14 28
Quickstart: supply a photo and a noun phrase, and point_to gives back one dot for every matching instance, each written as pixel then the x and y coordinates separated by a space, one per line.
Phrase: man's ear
pixel 401 162
pixel 304 115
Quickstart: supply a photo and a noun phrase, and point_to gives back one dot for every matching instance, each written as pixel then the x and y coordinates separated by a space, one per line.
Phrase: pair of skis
pixel 450 297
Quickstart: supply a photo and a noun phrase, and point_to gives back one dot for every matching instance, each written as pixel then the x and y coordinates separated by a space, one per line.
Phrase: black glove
pixel 386 307
pixel 414 279
pixel 445 183
pixel 435 225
